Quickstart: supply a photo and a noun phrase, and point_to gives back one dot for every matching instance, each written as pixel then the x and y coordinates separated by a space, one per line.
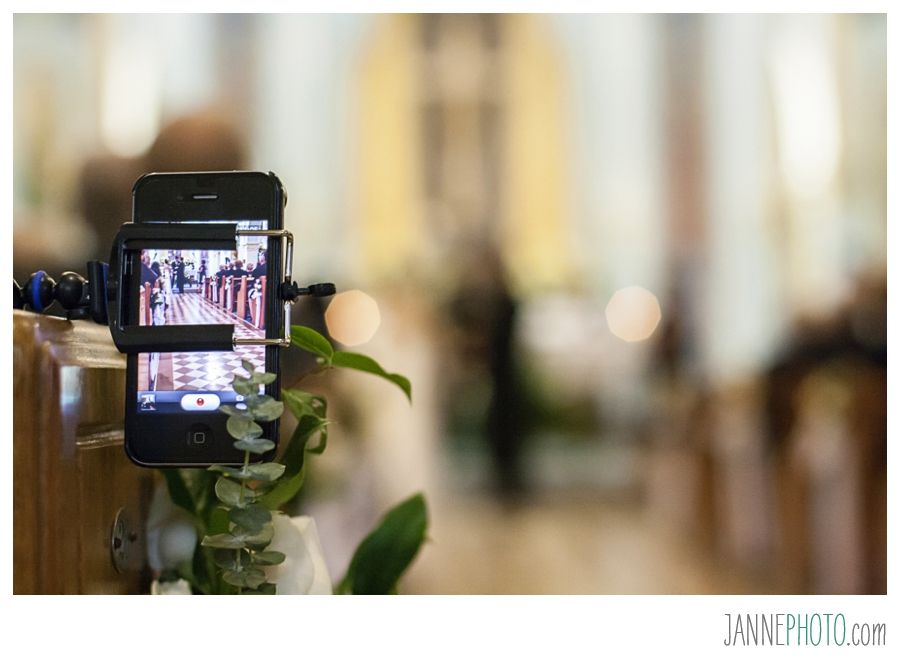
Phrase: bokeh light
pixel 633 313
pixel 352 317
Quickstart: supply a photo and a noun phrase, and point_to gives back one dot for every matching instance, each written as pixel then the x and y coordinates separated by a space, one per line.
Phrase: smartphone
pixel 173 399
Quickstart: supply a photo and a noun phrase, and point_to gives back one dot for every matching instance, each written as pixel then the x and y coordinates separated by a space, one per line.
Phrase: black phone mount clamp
pixel 175 338
pixel 103 295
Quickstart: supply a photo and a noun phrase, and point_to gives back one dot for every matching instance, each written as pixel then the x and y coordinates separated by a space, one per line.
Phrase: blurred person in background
pixel 199 141
pixel 483 314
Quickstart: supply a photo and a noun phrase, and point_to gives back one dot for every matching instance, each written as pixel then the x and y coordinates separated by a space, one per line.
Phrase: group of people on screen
pixel 174 274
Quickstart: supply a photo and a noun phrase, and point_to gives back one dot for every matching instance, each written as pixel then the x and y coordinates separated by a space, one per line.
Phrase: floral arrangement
pixel 246 544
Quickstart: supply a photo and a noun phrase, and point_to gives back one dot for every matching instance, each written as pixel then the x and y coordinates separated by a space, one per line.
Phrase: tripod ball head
pixel 71 292
pixel 41 290
pixel 38 291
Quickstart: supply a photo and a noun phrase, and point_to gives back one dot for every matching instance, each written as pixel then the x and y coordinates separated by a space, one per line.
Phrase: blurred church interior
pixel 634 266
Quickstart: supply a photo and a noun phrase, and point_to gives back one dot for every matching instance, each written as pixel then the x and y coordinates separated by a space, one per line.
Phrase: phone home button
pixel 199 435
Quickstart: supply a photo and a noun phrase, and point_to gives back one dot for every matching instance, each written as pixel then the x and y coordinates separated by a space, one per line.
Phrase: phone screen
pixel 194 287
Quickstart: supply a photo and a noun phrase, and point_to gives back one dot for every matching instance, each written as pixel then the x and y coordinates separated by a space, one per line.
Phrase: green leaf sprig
pixel 233 506
pixel 311 341
pixel 241 551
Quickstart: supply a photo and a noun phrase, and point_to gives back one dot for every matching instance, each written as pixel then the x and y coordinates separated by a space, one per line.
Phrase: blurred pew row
pixel 784 476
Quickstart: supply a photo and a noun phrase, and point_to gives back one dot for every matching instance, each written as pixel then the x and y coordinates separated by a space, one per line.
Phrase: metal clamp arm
pixel 176 338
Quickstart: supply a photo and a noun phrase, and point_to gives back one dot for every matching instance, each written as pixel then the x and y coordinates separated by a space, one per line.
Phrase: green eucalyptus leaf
pixel 254 431
pixel 227 541
pixel 248 366
pixel 244 386
pixel 225 558
pixel 364 363
pixel 242 533
pixel 238 425
pixel 251 518
pixel 255 577
pixel 252 399
pixel 228 491
pixel 268 557
pixel 257 546
pixel 234 578
pixel 386 553
pixel 266 471
pixel 265 589
pixel 258 540
pixel 228 471
pixel 248 577
pixel 311 341
pixel 260 378
pixel 268 410
pixel 255 445
pixel 241 427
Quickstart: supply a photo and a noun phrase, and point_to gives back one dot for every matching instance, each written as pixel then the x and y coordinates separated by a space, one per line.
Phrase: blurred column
pixel 462 117
pixel 387 204
pixel 802 67
pixel 740 301
pixel 56 104
pixel 616 133
pixel 617 138
pixel 61 77
pixel 684 175
pixel 535 234
pixel 862 71
pixel 131 66
pixel 302 120
pixel 189 79
pixel 378 177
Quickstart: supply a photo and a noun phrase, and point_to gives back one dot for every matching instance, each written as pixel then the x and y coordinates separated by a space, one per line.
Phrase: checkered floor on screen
pixel 211 370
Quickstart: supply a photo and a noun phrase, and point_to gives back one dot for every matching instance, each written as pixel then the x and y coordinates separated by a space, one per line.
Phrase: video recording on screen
pixel 195 287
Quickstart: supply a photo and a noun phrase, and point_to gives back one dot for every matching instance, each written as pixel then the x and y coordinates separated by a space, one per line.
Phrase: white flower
pixel 304 570
pixel 171 535
pixel 170 588
pixel 172 538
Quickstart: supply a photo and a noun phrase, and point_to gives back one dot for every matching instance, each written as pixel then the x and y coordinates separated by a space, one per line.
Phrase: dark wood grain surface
pixel 71 475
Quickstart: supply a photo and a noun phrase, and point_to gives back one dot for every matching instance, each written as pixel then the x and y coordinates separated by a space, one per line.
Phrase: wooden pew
pixel 241 307
pixel 833 488
pixel 144 307
pixel 254 308
pixel 72 482
pixel 259 320
pixel 228 298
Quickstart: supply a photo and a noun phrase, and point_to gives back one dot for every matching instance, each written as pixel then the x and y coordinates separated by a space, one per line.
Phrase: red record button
pixel 200 402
